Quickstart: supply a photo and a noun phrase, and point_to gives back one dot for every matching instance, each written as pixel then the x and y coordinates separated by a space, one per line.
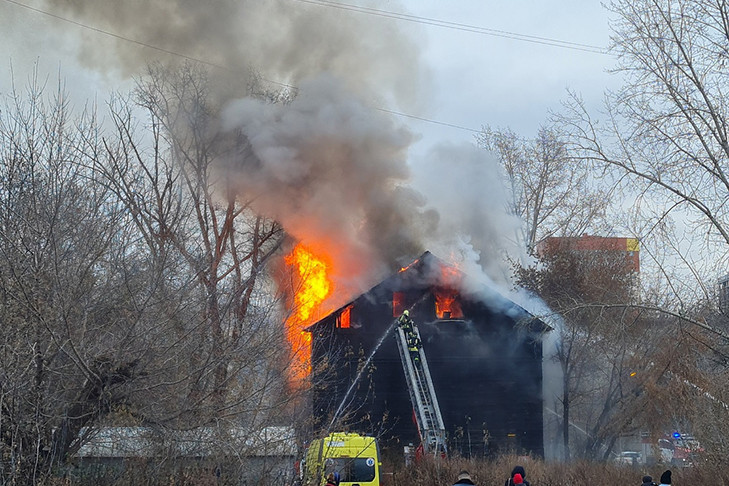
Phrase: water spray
pixel 366 364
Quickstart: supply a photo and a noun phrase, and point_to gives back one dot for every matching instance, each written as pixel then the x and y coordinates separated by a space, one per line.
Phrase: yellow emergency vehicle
pixel 354 457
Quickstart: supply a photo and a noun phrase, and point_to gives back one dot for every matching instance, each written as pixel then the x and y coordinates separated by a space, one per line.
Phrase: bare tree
pixel 668 125
pixel 61 368
pixel 605 349
pixel 132 289
pixel 665 136
pixel 182 198
pixel 551 193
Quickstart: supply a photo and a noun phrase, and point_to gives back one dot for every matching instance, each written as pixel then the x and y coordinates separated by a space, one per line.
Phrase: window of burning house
pixel 447 304
pixel 344 319
pixel 398 303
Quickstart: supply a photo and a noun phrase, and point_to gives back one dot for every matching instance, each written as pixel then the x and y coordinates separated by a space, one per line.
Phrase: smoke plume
pixel 465 186
pixel 285 41
pixel 332 171
pixel 332 168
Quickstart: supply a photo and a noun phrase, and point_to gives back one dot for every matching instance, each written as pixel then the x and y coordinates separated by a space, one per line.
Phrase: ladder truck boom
pixel 422 393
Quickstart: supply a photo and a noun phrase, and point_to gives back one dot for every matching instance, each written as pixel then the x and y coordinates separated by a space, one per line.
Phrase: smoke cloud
pixel 286 41
pixel 329 166
pixel 332 171
pixel 465 186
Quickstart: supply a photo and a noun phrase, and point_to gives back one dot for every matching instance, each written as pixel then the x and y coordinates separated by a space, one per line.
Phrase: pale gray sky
pixel 485 79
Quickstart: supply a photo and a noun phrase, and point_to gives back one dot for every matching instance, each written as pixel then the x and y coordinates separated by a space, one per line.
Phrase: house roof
pixel 426 272
pixel 201 442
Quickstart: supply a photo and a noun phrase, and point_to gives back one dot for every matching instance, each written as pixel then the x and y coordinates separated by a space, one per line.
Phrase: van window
pixel 352 470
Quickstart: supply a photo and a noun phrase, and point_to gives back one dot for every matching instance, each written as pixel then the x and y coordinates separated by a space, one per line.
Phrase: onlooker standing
pixel 463 478
pixel 666 477
pixel 517 470
pixel 648 481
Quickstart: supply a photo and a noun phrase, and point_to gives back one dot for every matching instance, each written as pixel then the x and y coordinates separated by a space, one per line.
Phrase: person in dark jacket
pixel 463 478
pixel 666 477
pixel 517 470
pixel 648 481
pixel 405 323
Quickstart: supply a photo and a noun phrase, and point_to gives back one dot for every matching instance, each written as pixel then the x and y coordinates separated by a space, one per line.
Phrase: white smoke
pixel 465 186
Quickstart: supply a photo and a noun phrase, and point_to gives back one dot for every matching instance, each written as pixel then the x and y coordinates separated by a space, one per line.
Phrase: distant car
pixel 631 458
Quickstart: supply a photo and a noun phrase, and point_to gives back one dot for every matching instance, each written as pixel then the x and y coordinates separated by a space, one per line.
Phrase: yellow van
pixel 355 457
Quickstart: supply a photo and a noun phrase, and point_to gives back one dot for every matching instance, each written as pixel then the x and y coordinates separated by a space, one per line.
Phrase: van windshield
pixel 352 470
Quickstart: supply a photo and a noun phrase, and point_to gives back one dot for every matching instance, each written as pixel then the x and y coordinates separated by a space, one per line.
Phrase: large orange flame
pixel 447 305
pixel 314 286
pixel 447 302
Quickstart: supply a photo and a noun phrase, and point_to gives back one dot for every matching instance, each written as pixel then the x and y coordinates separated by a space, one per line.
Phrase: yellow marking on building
pixel 632 244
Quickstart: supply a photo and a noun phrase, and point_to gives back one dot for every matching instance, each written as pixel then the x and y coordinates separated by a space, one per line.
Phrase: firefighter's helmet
pixel 406 313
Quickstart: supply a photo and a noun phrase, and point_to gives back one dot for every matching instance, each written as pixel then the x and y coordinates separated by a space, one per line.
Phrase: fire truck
pixel 679 450
pixel 685 450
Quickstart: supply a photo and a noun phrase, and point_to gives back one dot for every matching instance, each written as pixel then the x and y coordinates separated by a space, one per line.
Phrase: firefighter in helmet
pixel 405 323
pixel 414 345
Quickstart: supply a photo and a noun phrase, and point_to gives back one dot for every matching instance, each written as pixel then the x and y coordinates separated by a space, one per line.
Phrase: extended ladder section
pixel 422 395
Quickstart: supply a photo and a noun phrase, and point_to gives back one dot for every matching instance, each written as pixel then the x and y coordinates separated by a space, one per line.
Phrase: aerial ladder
pixel 422 393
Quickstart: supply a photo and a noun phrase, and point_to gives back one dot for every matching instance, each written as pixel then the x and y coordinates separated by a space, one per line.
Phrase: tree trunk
pixel 566 417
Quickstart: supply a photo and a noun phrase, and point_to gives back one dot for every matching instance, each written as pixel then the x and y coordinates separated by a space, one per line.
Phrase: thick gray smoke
pixel 286 41
pixel 329 165
pixel 332 170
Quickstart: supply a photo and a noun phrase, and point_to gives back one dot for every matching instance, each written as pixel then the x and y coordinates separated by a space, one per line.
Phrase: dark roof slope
pixel 426 272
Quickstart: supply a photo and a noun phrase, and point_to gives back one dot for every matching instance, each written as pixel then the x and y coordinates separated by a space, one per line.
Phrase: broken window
pixel 344 319
pixel 447 304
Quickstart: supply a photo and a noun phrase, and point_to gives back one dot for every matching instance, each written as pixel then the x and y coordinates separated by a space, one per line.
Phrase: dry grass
pixel 425 473
pixel 540 473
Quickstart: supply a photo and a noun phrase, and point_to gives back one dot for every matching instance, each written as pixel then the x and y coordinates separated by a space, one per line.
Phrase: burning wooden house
pixel 484 354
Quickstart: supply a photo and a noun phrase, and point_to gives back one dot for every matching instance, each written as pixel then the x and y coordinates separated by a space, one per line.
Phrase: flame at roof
pixel 430 273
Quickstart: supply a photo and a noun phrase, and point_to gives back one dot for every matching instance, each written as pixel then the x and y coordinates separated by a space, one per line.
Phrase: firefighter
pixel 414 345
pixel 406 324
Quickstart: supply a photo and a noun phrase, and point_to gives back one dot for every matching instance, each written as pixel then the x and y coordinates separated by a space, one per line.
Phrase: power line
pixel 117 36
pixel 139 43
pixel 459 26
pixel 212 64
pixel 429 120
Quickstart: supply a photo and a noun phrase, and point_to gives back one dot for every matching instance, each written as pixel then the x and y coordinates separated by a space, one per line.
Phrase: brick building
pixel 630 247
